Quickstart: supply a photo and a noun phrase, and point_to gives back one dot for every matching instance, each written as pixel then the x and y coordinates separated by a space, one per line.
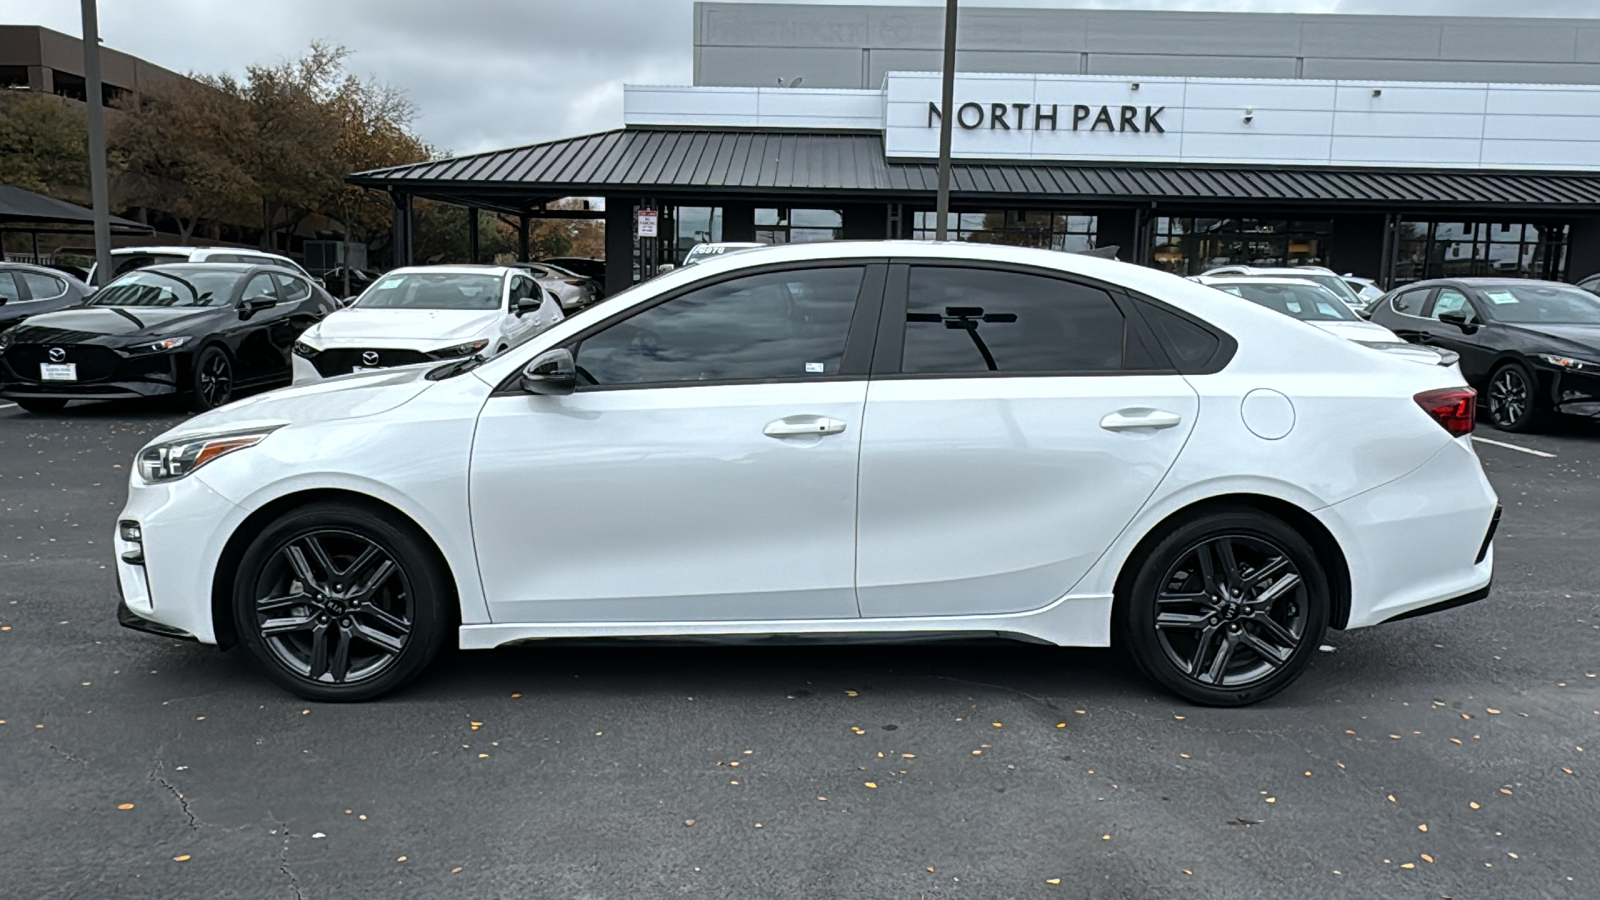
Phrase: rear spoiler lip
pixel 1446 357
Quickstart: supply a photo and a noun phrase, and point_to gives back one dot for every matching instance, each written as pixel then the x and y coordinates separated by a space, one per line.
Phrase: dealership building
pixel 1396 147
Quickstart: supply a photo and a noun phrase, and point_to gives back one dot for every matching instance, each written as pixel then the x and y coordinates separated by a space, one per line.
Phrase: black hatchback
pixel 204 331
pixel 1531 347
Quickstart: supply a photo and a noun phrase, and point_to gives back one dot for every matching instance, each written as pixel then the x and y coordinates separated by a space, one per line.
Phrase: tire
pixel 1287 618
pixel 41 406
pixel 295 614
pixel 1510 398
pixel 211 382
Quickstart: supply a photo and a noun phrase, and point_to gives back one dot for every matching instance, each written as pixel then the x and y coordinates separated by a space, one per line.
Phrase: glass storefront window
pixel 798 226
pixel 695 225
pixel 1190 246
pixel 1468 249
pixel 1014 227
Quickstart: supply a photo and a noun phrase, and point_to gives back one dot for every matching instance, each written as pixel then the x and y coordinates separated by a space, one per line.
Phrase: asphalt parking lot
pixel 1455 755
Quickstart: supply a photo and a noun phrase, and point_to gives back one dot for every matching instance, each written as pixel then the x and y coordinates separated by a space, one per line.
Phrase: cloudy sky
pixel 497 73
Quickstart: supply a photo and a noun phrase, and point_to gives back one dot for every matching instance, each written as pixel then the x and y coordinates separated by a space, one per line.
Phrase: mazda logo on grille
pixel 57 354
pixel 369 358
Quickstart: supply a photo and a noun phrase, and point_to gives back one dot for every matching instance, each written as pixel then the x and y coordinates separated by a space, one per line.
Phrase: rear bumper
pixel 1442 605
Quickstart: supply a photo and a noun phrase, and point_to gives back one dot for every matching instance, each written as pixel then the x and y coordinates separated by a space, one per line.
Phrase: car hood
pixel 1581 340
pixel 356 325
pixel 1370 332
pixel 345 397
pixel 86 323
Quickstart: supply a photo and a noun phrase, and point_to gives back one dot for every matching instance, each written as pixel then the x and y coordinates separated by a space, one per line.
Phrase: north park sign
pixel 1042 117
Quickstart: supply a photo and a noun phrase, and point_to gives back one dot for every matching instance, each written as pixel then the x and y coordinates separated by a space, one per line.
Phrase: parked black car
pixel 30 290
pixel 205 331
pixel 1530 347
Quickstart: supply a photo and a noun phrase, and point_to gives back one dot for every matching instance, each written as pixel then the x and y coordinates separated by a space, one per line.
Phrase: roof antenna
pixel 793 82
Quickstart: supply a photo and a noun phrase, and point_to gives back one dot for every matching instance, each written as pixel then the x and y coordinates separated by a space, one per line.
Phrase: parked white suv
pixel 126 259
pixel 1316 274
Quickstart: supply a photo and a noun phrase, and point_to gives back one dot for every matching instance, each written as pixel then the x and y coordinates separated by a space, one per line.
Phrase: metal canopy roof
pixel 20 206
pixel 702 162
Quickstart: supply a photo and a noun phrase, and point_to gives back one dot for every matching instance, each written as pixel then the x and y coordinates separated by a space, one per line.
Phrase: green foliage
pixel 44 145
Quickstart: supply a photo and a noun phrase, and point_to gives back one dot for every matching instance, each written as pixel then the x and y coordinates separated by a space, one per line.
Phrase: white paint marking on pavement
pixel 1479 440
pixel 6 405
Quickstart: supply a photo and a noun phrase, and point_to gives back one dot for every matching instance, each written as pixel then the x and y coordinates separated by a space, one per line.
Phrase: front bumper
pixel 127 618
pixel 1572 393
pixel 104 374
pixel 185 525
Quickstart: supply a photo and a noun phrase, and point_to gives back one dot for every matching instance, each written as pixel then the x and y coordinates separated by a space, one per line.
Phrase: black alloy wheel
pixel 1511 398
pixel 41 405
pixel 213 379
pixel 339 603
pixel 1227 608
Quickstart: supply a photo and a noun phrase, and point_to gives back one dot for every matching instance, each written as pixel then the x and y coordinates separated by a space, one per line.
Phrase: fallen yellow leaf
pixel 851 694
pixel 1391 798
pixel 1427 859
pixel 124 806
pixel 1474 804
pixel 1422 827
pixel 1105 837
pixel 1455 740
pixel 1046 881
pixel 995 724
pixel 1492 712
pixel 1061 724
pixel 871 784
pixel 183 858
pixel 1187 872
pixel 1408 865
pixel 1506 791
pixel 399 859
pixel 1272 799
pixel 456 871
pixel 977 753
pixel 908 756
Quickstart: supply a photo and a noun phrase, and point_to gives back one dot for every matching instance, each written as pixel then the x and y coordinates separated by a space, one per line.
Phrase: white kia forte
pixel 851 440
pixel 426 313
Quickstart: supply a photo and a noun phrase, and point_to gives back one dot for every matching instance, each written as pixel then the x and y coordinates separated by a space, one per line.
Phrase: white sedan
pixel 851 440
pixel 424 314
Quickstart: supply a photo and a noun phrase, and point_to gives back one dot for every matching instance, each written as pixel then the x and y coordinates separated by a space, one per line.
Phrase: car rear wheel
pixel 339 603
pixel 36 405
pixel 1511 393
pixel 212 380
pixel 1226 608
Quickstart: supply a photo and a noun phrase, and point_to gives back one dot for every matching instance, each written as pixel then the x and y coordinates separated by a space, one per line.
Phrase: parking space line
pixel 1482 440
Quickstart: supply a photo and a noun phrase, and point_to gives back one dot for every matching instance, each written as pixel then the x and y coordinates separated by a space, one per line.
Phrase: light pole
pixel 97 143
pixel 947 104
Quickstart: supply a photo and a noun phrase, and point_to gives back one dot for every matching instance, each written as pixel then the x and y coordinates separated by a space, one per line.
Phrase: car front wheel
pixel 1511 393
pixel 339 603
pixel 212 380
pixel 1226 608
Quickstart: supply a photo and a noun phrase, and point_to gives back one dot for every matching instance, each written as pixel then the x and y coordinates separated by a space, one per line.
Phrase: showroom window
pixel 1465 249
pixel 1015 227
pixel 778 325
pixel 695 225
pixel 1190 246
pixel 974 321
pixel 798 226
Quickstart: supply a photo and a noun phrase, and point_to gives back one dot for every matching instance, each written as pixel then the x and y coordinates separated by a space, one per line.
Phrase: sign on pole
pixel 648 219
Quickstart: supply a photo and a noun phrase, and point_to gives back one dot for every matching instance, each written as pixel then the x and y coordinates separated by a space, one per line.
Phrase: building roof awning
pixel 705 163
pixel 20 207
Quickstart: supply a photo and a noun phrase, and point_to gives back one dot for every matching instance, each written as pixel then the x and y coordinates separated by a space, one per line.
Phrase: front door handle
pixel 1127 419
pixel 799 426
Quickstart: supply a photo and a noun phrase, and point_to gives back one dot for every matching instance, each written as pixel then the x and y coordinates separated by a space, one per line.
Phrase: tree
pixel 44 145
pixel 176 149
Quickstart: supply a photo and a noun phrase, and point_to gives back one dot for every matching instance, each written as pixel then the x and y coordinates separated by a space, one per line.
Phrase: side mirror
pixel 528 305
pixel 1458 319
pixel 552 373
pixel 249 306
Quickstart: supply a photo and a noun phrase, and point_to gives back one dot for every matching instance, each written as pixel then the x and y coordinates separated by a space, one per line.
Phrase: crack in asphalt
pixel 283 864
pixel 64 754
pixel 155 776
pixel 1048 703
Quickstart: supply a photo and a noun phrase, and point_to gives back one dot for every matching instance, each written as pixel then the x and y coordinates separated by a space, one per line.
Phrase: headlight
pixel 172 460
pixel 301 348
pixel 160 346
pixel 1567 362
pixel 5 339
pixel 466 349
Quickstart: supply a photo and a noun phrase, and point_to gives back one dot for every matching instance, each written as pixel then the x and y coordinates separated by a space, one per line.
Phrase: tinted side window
pixel 42 287
pixel 1410 302
pixel 10 291
pixel 984 320
pixel 786 325
pixel 259 286
pixel 1191 348
pixel 1450 300
pixel 521 289
pixel 294 289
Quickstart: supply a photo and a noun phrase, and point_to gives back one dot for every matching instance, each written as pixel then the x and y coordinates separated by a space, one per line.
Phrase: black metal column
pixel 472 234
pixel 522 237
pixel 619 243
pixel 402 229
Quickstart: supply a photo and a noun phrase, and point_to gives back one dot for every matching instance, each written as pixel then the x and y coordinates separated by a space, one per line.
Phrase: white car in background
pixel 1365 288
pixel 574 291
pixel 1317 274
pixel 126 259
pixel 425 314
pixel 847 440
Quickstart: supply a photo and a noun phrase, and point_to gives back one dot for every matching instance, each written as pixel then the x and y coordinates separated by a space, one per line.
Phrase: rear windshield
pixel 434 290
pixel 167 288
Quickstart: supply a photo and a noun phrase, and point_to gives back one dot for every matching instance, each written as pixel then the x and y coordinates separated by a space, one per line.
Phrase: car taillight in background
pixel 1455 409
pixel 577 282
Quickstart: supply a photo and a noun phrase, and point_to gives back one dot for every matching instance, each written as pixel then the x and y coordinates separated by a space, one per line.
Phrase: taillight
pixel 575 282
pixel 1455 409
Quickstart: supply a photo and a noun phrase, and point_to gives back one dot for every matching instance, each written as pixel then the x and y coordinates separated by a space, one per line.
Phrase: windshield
pixel 1308 302
pixel 1542 304
pixel 433 290
pixel 148 287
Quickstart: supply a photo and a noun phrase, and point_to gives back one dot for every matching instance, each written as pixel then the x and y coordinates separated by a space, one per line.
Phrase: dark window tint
pixel 1190 347
pixel 42 287
pixel 521 288
pixel 170 287
pixel 775 325
pixel 9 292
pixel 294 289
pixel 1410 302
pixel 984 320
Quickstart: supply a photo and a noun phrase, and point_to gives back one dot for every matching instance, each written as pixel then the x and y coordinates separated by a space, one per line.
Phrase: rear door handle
pixel 798 426
pixel 1126 419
